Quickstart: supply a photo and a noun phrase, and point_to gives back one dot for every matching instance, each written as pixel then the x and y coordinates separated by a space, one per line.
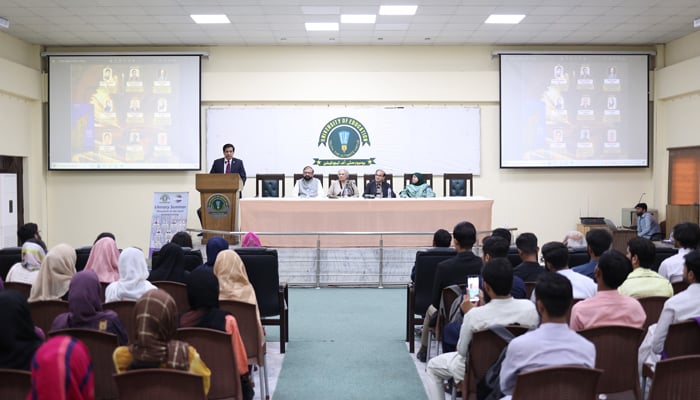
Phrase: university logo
pixel 343 136
pixel 218 206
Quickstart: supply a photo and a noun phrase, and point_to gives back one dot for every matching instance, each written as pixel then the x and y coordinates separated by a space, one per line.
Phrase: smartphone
pixel 473 287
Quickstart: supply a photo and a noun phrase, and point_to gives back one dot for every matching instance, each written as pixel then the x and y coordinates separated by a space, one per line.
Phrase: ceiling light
pixel 358 18
pixel 322 26
pixel 505 18
pixel 397 10
pixel 210 19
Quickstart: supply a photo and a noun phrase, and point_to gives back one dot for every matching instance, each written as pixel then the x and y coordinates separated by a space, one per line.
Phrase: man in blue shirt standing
pixel 647 226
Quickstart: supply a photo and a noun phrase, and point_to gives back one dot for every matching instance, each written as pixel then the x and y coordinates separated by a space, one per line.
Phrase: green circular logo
pixel 218 206
pixel 343 136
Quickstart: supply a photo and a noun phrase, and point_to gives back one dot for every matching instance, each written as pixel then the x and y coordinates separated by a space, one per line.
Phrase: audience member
pixel 18 339
pixel 250 239
pixel 642 281
pixel 182 239
pixel 647 226
pixel 155 346
pixel 504 233
pixel 27 270
pixel 599 241
pixel 55 274
pixel 62 369
pixel 308 186
pixel 497 247
pixel 503 309
pixel 441 241
pixel 553 343
pixel 104 260
pixel 105 235
pixel 686 237
pixel 30 230
pixel 418 187
pixel 133 277
pixel 556 259
pixel 379 187
pixel 343 187
pixel 529 269
pixel 214 246
pixel 203 296
pixel 452 271
pixel 170 265
pixel 85 308
pixel 608 306
pixel 575 239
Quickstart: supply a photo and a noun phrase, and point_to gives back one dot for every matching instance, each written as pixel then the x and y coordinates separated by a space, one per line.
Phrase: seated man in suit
pixel 379 187
pixel 308 186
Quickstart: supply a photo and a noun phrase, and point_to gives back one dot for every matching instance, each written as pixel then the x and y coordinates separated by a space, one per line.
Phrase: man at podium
pixel 228 164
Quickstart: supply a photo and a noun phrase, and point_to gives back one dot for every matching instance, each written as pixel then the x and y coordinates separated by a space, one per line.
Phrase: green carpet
pixel 348 344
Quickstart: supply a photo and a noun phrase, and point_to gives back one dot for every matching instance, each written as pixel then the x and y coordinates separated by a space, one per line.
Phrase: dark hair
pixel 495 246
pixel 599 241
pixel 557 254
pixel 527 243
pixel 227 145
pixel 504 233
pixel 498 273
pixel 39 242
pixel 27 231
pixel 465 234
pixel 442 238
pixel 692 263
pixel 644 249
pixel 643 206
pixel 104 235
pixel 687 234
pixel 182 239
pixel 555 292
pixel 614 268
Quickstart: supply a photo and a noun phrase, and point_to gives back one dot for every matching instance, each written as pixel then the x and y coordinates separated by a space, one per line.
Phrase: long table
pixel 359 215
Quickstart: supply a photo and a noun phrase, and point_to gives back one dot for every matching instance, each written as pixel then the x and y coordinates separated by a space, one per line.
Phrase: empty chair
pixel 178 291
pixel 14 383
pixel 125 311
pixel 45 311
pixel 652 307
pixel 23 288
pixel 458 185
pixel 676 378
pixel 159 383
pixel 269 185
pixel 561 382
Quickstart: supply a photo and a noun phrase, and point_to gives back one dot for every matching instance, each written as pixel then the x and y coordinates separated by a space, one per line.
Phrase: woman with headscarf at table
pixel 154 345
pixel 417 188
pixel 18 337
pixel 62 370
pixel 85 308
pixel 251 240
pixel 214 246
pixel 203 296
pixel 133 277
pixel 27 270
pixel 55 274
pixel 234 283
pixel 170 265
pixel 104 260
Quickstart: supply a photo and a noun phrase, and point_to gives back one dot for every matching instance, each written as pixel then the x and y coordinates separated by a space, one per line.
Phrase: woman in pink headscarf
pixel 251 240
pixel 62 370
pixel 104 260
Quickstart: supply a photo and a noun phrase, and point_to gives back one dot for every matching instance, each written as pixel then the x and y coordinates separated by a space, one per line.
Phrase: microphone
pixel 640 197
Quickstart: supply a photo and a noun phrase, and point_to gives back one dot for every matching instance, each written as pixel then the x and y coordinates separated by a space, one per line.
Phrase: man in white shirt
pixel 686 237
pixel 556 259
pixel 308 186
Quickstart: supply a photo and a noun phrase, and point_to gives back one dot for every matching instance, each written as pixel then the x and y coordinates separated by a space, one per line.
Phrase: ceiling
pixel 281 22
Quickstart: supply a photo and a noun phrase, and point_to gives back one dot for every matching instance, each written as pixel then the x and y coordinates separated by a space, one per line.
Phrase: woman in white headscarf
pixel 27 270
pixel 133 277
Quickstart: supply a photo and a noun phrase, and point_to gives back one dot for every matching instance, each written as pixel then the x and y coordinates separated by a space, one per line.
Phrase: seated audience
pixel 155 346
pixel 686 237
pixel 133 277
pixel 308 186
pixel 642 281
pixel 599 241
pixel 182 239
pixel 379 187
pixel 608 306
pixel 503 309
pixel 18 339
pixel 55 274
pixel 104 260
pixel 343 187
pixel 575 239
pixel 203 296
pixel 30 230
pixel 529 269
pixel 553 343
pixel 417 188
pixel 85 308
pixel 251 240
pixel 214 246
pixel 441 241
pixel 647 225
pixel 556 259
pixel 62 369
pixel 504 233
pixel 170 265
pixel 27 270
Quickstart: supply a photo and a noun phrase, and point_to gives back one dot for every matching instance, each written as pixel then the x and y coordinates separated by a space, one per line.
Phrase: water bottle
pixel 345 192
pixel 388 193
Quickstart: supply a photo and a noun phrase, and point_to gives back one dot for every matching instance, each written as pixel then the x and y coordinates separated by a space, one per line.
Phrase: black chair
pixel 662 253
pixel 21 287
pixel 82 254
pixel 458 185
pixel 9 256
pixel 419 294
pixel 299 176
pixel 334 177
pixel 262 266
pixel 159 383
pixel 514 256
pixel 578 256
pixel 269 185
pixel 193 258
pixel 367 178
pixel 407 179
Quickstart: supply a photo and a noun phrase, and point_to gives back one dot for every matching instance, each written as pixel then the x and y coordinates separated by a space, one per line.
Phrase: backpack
pixel 489 387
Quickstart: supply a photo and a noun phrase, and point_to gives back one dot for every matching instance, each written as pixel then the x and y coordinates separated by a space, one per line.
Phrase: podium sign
pixel 219 197
pixel 169 217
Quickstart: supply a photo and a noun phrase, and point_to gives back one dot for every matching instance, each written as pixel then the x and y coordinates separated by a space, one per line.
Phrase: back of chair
pixel 578 256
pixel 216 349
pixel 514 256
pixel 82 254
pixel 159 383
pixel 9 256
pixel 101 346
pixel 529 288
pixel 45 311
pixel 408 176
pixel 125 311
pixel 682 339
pixel 21 287
pixel 178 291
pixel 458 185
pixel 676 378
pixel 247 325
pixel 367 178
pixel 652 307
pixel 334 177
pixel 561 382
pixel 193 258
pixel 14 383
pixel 679 286
pixel 662 253
pixel 426 265
pixel 617 349
pixel 269 185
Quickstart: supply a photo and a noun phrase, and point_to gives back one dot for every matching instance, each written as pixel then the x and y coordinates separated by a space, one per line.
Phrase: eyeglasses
pixel 379 175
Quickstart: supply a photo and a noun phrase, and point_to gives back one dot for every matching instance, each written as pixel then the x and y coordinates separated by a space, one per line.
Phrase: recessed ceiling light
pixel 322 26
pixel 210 19
pixel 358 18
pixel 504 18
pixel 397 10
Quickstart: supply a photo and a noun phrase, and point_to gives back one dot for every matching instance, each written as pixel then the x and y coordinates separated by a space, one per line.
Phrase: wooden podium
pixel 219 197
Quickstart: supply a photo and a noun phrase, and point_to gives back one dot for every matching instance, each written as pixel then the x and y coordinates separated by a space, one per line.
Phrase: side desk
pixel 620 236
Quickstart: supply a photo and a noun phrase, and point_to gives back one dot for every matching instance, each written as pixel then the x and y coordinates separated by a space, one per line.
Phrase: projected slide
pixel 574 110
pixel 124 112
